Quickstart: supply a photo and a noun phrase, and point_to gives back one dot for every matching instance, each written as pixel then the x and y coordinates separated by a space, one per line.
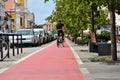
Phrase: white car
pixel 37 32
pixel 51 35
pixel 41 35
pixel 1 32
pixel 28 37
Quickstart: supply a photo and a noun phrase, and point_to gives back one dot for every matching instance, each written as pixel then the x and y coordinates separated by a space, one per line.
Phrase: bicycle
pixel 60 41
pixel 3 47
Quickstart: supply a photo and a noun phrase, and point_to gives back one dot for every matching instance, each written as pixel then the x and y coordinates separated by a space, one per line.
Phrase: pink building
pixel 48 26
pixel 9 5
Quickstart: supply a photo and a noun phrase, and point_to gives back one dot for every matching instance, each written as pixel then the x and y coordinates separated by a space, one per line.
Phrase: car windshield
pixel 24 32
pixel 36 32
pixel 50 32
pixel 42 32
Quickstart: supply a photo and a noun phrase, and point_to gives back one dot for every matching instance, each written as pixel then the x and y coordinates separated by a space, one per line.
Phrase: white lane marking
pixel 75 54
pixel 20 60
pixel 2 70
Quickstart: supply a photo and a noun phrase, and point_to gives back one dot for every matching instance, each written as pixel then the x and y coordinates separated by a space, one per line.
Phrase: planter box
pixel 92 47
pixel 104 49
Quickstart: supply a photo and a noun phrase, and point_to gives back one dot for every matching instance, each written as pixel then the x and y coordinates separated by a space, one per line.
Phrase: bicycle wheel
pixel 58 42
pixel 62 42
pixel 3 49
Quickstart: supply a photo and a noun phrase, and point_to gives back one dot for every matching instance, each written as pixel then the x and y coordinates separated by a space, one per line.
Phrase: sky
pixel 40 9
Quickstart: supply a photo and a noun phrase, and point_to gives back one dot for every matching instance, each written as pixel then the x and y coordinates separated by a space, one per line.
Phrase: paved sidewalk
pixel 97 70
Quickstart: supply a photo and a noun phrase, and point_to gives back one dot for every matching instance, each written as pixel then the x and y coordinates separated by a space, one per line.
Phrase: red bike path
pixel 51 63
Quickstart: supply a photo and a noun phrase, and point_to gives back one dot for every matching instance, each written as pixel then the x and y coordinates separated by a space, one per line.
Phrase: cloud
pixel 41 10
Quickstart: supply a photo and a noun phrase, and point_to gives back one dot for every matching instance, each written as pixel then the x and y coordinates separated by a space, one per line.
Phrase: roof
pixel 47 23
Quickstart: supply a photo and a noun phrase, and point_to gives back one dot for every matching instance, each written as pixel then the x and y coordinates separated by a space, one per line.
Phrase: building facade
pixel 48 26
pixel 18 11
pixel 2 15
pixel 30 20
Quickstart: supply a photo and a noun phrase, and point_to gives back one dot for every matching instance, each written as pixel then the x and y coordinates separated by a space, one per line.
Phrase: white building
pixel 48 26
pixel 30 19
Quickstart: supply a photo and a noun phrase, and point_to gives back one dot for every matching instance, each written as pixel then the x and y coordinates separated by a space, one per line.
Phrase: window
pixel 20 21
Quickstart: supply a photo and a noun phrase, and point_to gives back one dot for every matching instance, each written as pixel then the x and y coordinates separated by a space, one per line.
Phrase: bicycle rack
pixel 13 49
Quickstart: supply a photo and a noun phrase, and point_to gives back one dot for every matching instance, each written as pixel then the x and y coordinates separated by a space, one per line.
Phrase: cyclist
pixel 59 29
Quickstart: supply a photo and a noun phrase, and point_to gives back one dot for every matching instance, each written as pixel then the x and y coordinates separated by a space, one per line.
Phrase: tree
pixel 78 14
pixel 113 28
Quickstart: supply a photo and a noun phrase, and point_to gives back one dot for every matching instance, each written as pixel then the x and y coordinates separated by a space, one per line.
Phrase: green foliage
pixel 39 26
pixel 86 38
pixel 54 29
pixel 102 59
pixel 104 35
pixel 117 6
pixel 76 14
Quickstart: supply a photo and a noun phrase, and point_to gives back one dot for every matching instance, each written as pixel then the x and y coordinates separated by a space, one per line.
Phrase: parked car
pixel 38 32
pixel 51 35
pixel 41 35
pixel 103 28
pixel 1 32
pixel 47 36
pixel 28 37
pixel 55 36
